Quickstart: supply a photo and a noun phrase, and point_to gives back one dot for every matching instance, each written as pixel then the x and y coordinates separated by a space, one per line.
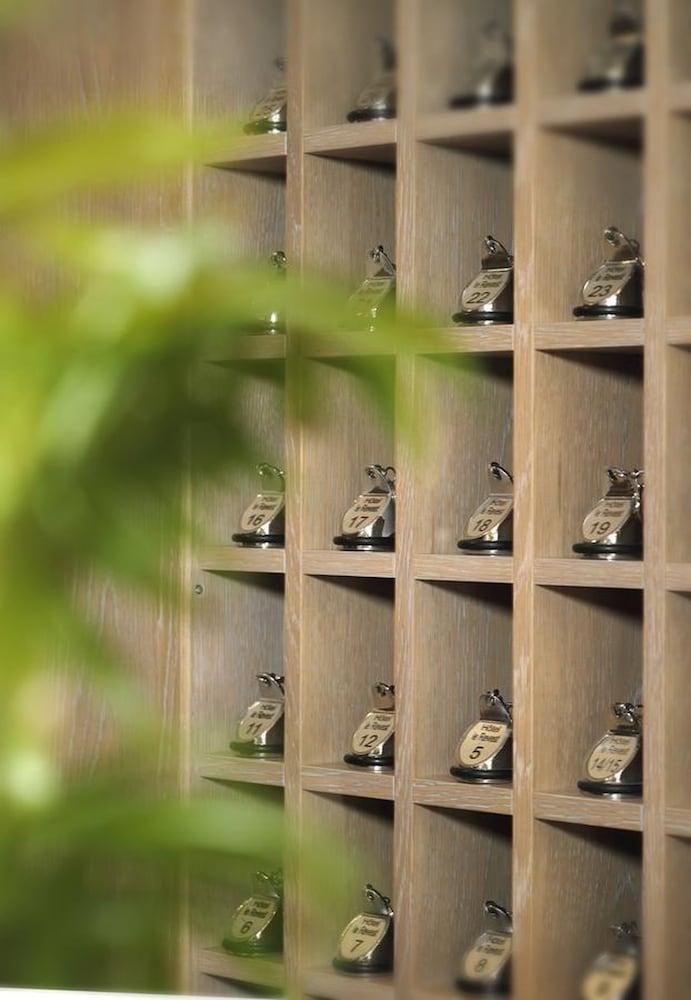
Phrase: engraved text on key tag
pixel 485 740
pixel 485 287
pixel 608 280
pixel 259 719
pixel 263 509
pixel 607 516
pixel 489 515
pixel 373 731
pixel 253 917
pixel 487 956
pixel 364 512
pixel 610 978
pixel 362 935
pixel 612 755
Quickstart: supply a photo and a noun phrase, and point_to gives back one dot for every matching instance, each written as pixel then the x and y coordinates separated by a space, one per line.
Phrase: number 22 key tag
pixel 366 944
pixel 486 966
pixel 615 974
pixel 615 289
pixel 485 750
pixel 614 527
pixel 615 764
pixel 489 296
pixel 256 927
pixel 489 529
pixel 373 740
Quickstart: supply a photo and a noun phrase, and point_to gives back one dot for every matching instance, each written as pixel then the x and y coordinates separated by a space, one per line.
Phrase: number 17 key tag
pixel 489 529
pixel 366 944
pixel 615 974
pixel 486 966
pixel 615 764
pixel 369 524
pixel 614 527
pixel 485 751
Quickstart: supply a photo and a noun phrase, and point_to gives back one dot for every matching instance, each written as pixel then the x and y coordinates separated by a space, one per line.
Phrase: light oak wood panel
pixel 615 117
pixel 590 810
pixel 228 767
pixel 678 442
pixel 236 559
pixel 680 32
pixel 327 983
pixel 463 568
pixel 678 576
pixel 260 972
pixel 445 791
pixel 585 335
pixel 495 339
pixel 574 571
pixel 254 347
pixel 678 865
pixel 373 141
pixel 677 691
pixel 340 779
pixel 332 562
pixel 678 238
pixel 485 130
pixel 678 822
pixel 256 153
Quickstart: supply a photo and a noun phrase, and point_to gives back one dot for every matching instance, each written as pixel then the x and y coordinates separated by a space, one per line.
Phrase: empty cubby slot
pixel 678 444
pixel 680 39
pixel 679 226
pixel 677 771
pixel 678 882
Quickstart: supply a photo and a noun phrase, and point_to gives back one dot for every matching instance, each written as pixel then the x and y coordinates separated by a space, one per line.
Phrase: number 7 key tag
pixel 260 732
pixel 256 927
pixel 615 973
pixel 489 296
pixel 486 966
pixel 615 289
pixel 615 764
pixel 262 525
pixel 485 751
pixel 366 944
pixel 614 527
pixel 489 529
pixel 373 740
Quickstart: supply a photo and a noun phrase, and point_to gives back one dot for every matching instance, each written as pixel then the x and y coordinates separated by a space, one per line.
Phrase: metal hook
pixel 379 255
pixel 264 469
pixel 385 475
pixel 496 254
pixel 272 680
pixel 382 902
pixel 633 714
pixel 500 913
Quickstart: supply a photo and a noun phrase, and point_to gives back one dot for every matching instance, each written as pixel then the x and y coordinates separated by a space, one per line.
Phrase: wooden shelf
pixel 351 344
pixel 256 971
pixel 253 347
pixel 463 568
pixel 332 985
pixel 372 141
pixel 257 153
pixel 450 794
pixel 236 559
pixel 589 810
pixel 680 96
pixel 678 822
pixel 575 572
pixel 328 562
pixel 488 130
pixel 591 335
pixel 225 766
pixel 469 340
pixel 679 331
pixel 678 577
pixel 339 779
pixel 613 116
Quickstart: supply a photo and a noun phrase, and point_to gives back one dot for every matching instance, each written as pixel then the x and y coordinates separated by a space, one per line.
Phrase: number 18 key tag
pixel 366 944
pixel 615 974
pixel 256 927
pixel 486 966
pixel 489 296
pixel 485 751
pixel 369 525
pixel 373 740
pixel 614 527
pixel 260 731
pixel 489 529
pixel 615 764
pixel 615 289
pixel 262 525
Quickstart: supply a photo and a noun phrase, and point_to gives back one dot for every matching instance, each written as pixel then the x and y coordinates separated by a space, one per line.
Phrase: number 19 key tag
pixel 369 525
pixel 615 289
pixel 615 974
pixel 366 944
pixel 489 296
pixel 260 731
pixel 486 966
pixel 614 527
pixel 262 525
pixel 373 740
pixel 489 529
pixel 256 927
pixel 485 751
pixel 615 764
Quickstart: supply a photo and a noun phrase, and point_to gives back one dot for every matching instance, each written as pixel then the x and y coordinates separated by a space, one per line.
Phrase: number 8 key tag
pixel 615 973
pixel 489 529
pixel 614 527
pixel 486 966
pixel 489 296
pixel 485 751
pixel 373 740
pixel 366 944
pixel 369 525
pixel 615 289
pixel 615 764
pixel 256 927
pixel 262 525
pixel 260 732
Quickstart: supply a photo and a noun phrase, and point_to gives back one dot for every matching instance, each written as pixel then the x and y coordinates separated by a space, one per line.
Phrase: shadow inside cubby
pixel 585 880
pixel 348 842
pixel 679 225
pixel 347 643
pixel 678 883
pixel 464 421
pixel 677 771
pixel 588 417
pixel 462 859
pixel 678 445
pixel 463 650
pixel 680 39
pixel 588 654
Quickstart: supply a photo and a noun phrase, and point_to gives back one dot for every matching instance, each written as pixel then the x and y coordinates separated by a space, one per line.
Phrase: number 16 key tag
pixel 486 966
pixel 366 944
pixel 256 927
pixel 615 289
pixel 615 764
pixel 489 529
pixel 489 296
pixel 373 740
pixel 615 974
pixel 614 527
pixel 262 525
pixel 485 751
pixel 260 732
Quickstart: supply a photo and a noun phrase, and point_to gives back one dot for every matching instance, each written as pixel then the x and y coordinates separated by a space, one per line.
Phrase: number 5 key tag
pixel 615 289
pixel 260 732
pixel 489 529
pixel 615 764
pixel 262 525
pixel 366 944
pixel 614 527
pixel 485 751
pixel 256 927
pixel 486 966
pixel 615 974
pixel 489 296
pixel 373 740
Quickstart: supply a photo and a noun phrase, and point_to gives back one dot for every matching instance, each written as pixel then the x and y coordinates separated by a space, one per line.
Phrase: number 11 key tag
pixel 369 525
pixel 260 732
pixel 486 966
pixel 615 974
pixel 262 525
pixel 366 944
pixel 489 296
pixel 256 927
pixel 489 529
pixel 615 289
pixel 485 751
pixel 615 764
pixel 614 527
pixel 373 740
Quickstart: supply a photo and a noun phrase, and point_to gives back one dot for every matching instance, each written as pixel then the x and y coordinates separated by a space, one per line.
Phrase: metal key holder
pixel 489 296
pixel 493 77
pixel 369 525
pixel 616 973
pixel 486 966
pixel 373 740
pixel 484 753
pixel 378 288
pixel 489 529
pixel 263 523
pixel 270 114
pixel 260 731
pixel 256 927
pixel 615 289
pixel 614 527
pixel 378 100
pixel 615 764
pixel 619 62
pixel 366 944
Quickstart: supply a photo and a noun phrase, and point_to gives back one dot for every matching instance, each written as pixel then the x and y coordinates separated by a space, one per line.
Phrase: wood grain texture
pixel 463 568
pixel 469 340
pixel 577 572
pixel 339 779
pixel 257 153
pixel 259 972
pixel 235 559
pixel 373 141
pixel 325 982
pixel 228 767
pixel 582 335
pixel 589 810
pixel 488 130
pixel 333 562
pixel 254 347
pixel 444 791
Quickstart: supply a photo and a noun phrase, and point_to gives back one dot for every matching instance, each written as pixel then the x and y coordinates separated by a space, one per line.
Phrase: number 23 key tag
pixel 489 296
pixel 486 966
pixel 615 289
pixel 260 731
pixel 256 927
pixel 485 750
pixel 615 974
pixel 615 764
pixel 614 527
pixel 489 529
pixel 366 944
pixel 373 740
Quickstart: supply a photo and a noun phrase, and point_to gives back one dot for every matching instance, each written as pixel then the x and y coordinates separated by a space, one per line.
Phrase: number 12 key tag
pixel 256 927
pixel 489 529
pixel 485 750
pixel 614 527
pixel 366 944
pixel 615 974
pixel 615 764
pixel 373 740
pixel 486 966
pixel 615 289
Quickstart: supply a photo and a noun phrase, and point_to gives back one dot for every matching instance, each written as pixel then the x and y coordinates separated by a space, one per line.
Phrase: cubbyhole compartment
pixel 584 881
pixel 678 881
pixel 678 444
pixel 354 429
pixel 678 235
pixel 462 859
pixel 462 649
pixel 462 196
pixel 588 655
pixel 680 40
pixel 588 417
pixel 347 647
pixel 464 420
pixel 585 186
pixel 352 838
pixel 449 41
pixel 677 773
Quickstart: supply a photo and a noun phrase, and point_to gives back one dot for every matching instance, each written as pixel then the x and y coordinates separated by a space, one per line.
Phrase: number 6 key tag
pixel 486 966
pixel 485 751
pixel 369 525
pixel 489 296
pixel 260 732
pixel 373 740
pixel 489 529
pixel 256 927
pixel 615 764
pixel 366 944
pixel 262 525
pixel 615 974
pixel 614 527
pixel 615 289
